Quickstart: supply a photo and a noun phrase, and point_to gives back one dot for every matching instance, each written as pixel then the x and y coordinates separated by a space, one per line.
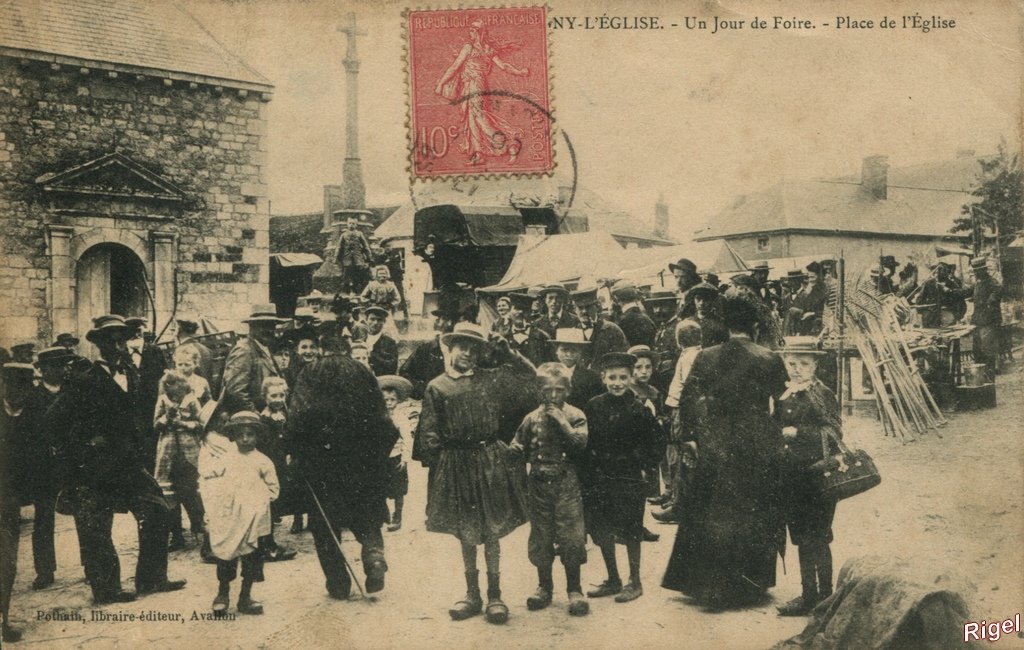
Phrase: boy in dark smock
pixel 624 439
pixel 476 490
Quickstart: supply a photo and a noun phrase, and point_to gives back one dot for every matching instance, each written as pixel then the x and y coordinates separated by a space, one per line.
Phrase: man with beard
pixel 702 306
pixel 604 336
pixel 685 273
pixel 103 466
pixel 339 435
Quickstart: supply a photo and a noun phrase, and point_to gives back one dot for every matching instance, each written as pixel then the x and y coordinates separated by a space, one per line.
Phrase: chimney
pixel 874 176
pixel 661 218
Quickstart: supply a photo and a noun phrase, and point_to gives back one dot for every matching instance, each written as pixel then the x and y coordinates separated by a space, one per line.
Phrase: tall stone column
pixel 353 190
pixel 164 257
pixel 62 280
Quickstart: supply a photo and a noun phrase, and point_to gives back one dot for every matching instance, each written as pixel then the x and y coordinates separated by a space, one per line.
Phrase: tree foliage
pixel 999 195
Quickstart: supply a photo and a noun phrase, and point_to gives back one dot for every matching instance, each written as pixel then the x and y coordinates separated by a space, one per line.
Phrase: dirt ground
pixel 949 501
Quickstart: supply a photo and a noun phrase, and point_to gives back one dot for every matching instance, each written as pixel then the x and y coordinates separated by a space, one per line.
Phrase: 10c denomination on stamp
pixel 479 92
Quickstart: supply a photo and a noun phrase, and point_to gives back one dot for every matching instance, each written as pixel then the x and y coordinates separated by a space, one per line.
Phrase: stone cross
pixel 353 190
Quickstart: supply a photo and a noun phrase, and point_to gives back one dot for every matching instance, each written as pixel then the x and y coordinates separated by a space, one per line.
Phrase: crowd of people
pixel 570 413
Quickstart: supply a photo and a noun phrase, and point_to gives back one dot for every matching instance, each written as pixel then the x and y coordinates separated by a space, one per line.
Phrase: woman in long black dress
pixel 724 553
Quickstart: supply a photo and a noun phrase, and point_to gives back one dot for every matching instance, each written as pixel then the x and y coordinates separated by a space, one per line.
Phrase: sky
pixel 697 117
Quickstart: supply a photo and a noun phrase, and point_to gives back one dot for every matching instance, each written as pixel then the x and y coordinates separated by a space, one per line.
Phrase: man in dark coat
pixel 150 364
pixel 685 273
pixel 724 553
pixel 987 317
pixel 634 322
pixel 529 340
pixel 340 436
pixel 426 361
pixel 103 466
pixel 702 306
pixel 558 312
pixel 662 307
pixel 250 362
pixel 17 383
pixel 37 457
pixel 604 336
pixel 383 348
pixel 353 257
pixel 940 292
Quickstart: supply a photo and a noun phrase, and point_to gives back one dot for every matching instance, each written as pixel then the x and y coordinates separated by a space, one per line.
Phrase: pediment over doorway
pixel 112 184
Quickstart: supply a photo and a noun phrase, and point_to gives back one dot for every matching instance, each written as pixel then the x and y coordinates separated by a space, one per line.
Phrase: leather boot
pixel 497 611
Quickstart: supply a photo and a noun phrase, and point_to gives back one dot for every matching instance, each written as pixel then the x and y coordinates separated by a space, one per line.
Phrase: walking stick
pixel 337 543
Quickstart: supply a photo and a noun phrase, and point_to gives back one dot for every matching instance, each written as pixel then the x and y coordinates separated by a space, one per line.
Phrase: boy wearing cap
pixel 807 412
pixel 239 487
pixel 624 440
pixel 475 490
pixel 38 456
pixel 551 438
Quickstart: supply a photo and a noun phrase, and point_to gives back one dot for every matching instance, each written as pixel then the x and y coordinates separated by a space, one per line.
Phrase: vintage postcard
pixel 518 324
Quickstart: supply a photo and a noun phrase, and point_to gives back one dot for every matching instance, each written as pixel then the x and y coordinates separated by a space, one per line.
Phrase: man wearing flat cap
pixel 250 362
pixel 634 322
pixel 102 461
pixel 987 317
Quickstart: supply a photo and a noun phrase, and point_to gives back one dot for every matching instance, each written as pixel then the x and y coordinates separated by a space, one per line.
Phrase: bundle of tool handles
pixel 872 324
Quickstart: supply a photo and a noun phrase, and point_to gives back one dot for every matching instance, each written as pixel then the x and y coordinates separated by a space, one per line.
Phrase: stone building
pixel 132 157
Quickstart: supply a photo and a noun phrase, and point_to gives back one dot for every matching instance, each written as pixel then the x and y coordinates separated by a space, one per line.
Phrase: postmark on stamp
pixel 479 94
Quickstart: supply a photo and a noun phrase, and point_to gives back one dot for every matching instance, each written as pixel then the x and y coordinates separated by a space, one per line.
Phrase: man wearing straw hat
pixel 94 428
pixel 570 348
pixel 250 362
pixel 987 317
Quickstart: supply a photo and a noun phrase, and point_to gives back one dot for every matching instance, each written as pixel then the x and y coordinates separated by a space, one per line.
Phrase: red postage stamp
pixel 479 92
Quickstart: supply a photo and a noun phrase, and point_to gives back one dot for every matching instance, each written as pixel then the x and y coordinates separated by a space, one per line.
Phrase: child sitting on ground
pixel 238 485
pixel 624 439
pixel 176 425
pixel 551 438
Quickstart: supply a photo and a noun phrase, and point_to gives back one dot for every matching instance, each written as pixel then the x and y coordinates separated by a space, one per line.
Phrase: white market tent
pixel 649 266
pixel 545 259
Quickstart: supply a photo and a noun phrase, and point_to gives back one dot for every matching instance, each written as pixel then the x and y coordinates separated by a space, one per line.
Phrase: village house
pixel 899 211
pixel 132 157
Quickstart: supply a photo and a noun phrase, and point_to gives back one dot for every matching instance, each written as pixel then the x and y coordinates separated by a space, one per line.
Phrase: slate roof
pixel 923 200
pixel 152 34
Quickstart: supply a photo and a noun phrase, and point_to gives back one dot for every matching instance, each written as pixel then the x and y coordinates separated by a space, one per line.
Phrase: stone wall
pixel 208 141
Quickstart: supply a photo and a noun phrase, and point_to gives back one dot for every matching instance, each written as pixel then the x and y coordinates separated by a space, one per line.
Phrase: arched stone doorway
pixel 110 279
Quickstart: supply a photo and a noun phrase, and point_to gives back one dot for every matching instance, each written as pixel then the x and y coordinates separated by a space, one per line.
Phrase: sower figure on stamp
pixel 477 491
pixel 37 457
pixel 625 439
pixel 466 79
pixel 94 425
pixel 552 438
pixel 340 438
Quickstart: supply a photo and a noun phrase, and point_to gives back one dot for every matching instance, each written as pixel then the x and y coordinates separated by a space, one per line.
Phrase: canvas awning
pixel 650 265
pixel 468 225
pixel 545 259
pixel 288 260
